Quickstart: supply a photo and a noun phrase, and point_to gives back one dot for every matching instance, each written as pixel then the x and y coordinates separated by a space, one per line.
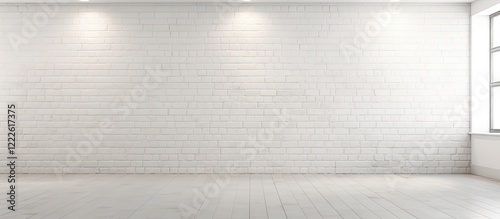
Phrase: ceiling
pixel 232 1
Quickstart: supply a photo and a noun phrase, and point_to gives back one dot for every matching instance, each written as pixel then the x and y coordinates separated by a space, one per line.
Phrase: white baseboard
pixel 486 172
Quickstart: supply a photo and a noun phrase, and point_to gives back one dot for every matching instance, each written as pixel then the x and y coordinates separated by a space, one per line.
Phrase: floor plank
pixel 254 196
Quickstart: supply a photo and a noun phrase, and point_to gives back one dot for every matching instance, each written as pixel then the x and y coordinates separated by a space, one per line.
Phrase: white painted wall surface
pixel 485 155
pixel 263 88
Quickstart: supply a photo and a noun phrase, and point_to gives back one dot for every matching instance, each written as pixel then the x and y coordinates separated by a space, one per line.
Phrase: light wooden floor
pixel 254 196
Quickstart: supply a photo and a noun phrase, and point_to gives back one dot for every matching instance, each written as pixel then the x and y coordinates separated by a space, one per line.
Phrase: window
pixel 495 72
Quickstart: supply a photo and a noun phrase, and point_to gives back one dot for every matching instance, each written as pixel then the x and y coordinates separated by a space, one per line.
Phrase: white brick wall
pixel 261 88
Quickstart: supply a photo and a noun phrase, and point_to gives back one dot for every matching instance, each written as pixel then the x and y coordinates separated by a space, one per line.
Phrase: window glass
pixel 495 108
pixel 495 29
pixel 495 67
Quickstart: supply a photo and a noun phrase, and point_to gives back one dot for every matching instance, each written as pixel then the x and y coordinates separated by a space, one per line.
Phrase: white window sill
pixel 484 133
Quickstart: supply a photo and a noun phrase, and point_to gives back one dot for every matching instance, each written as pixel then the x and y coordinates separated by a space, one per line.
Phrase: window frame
pixel 493 84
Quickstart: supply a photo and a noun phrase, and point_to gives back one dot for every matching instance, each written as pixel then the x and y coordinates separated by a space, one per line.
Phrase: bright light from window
pixel 495 107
